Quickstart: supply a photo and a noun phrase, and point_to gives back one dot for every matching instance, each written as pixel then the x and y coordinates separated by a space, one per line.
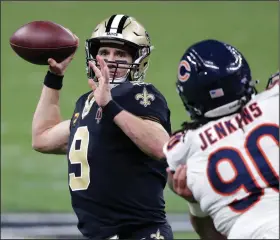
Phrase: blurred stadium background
pixel 32 182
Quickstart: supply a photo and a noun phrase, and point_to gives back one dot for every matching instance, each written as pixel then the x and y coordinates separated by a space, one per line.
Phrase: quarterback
pixel 114 140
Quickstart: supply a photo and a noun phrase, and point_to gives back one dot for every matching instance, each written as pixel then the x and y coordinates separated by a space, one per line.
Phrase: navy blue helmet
pixel 213 80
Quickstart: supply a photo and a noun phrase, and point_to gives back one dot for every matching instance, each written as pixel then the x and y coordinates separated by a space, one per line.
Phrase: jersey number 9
pixel 78 155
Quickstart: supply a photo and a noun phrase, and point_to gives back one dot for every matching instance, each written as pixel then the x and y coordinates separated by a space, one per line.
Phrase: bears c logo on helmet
pixel 184 71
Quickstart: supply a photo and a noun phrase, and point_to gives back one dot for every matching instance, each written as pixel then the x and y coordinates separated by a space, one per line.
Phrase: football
pixel 37 41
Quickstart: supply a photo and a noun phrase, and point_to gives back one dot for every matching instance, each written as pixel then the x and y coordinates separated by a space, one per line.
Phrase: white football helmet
pixel 121 30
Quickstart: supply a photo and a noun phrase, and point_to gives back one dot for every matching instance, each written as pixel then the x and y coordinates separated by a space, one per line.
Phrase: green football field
pixel 35 182
pixel 185 235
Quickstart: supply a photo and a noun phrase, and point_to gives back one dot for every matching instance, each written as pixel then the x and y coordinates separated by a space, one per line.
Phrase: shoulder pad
pixel 273 80
pixel 145 101
pixel 135 83
pixel 175 150
pixel 141 85
pixel 147 95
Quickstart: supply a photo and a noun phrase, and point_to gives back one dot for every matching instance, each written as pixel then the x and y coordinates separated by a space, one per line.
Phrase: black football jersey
pixel 113 184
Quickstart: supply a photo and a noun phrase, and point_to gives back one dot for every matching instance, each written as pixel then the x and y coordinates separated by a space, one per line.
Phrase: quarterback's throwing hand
pixel 60 68
pixel 102 92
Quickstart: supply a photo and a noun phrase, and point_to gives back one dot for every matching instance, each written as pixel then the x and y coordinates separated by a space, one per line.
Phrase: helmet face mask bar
pixel 133 39
pixel 112 65
pixel 132 68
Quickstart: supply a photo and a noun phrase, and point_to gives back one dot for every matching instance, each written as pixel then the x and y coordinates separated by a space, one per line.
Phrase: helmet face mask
pixel 122 32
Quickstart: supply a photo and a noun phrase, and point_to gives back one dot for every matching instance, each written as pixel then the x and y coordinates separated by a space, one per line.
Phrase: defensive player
pixel 115 137
pixel 231 148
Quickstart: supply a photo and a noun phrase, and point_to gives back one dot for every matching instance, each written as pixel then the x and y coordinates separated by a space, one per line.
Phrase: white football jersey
pixel 233 168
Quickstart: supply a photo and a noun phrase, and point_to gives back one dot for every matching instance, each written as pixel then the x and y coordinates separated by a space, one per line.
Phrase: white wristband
pixel 195 210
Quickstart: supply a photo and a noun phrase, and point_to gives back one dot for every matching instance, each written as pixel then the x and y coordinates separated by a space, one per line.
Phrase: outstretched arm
pixel 49 133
